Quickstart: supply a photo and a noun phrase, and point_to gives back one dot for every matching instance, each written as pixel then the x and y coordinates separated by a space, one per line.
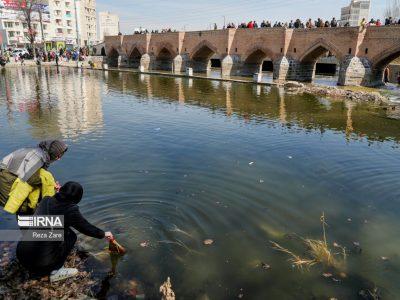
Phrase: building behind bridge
pixel 353 14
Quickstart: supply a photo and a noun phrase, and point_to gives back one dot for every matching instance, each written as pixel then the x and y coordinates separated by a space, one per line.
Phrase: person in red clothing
pixel 250 25
pixel 378 23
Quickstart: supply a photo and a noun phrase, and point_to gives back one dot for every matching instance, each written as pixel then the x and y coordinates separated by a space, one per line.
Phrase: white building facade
pixel 60 24
pixel 63 32
pixel 108 25
pixel 87 22
pixel 353 14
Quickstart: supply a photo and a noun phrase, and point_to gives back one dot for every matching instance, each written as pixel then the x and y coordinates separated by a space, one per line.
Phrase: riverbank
pixel 357 94
pixel 15 282
pixel 337 93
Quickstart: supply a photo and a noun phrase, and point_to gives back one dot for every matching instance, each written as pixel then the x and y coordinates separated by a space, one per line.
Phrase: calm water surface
pixel 176 161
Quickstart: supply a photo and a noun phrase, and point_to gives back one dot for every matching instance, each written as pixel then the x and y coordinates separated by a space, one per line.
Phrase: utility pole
pixel 224 22
pixel 41 28
pixel 78 37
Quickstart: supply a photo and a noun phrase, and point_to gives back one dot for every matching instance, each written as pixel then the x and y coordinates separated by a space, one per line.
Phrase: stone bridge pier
pixel 292 54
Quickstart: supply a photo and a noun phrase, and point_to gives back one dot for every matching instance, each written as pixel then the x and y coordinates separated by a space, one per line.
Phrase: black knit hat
pixel 57 149
pixel 71 191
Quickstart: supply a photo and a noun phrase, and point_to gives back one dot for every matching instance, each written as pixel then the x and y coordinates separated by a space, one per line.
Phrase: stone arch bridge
pixel 362 54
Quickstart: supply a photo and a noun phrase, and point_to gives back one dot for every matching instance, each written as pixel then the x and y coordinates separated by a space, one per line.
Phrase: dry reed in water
pixel 318 250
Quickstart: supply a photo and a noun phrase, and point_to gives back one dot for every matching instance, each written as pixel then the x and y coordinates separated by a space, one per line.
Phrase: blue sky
pixel 199 14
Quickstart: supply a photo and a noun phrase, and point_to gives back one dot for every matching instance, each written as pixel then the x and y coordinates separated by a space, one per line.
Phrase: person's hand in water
pixel 109 236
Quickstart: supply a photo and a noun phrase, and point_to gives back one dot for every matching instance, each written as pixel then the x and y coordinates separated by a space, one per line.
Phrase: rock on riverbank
pixel 335 92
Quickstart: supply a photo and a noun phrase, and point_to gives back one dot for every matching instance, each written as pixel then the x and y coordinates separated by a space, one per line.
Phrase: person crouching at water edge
pixel 24 178
pixel 42 258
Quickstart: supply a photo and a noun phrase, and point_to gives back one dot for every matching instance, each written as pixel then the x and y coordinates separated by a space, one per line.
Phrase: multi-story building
pixel 60 23
pixel 87 22
pixel 355 12
pixel 108 25
pixel 63 24
pixel 14 28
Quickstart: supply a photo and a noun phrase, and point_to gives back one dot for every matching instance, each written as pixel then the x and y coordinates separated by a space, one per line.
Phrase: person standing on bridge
pixel 363 23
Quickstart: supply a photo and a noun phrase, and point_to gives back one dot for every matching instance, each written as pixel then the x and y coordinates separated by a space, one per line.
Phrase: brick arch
pixel 203 45
pixel 384 58
pixel 166 46
pixel 137 47
pixel 112 57
pixel 114 51
pixel 258 48
pixel 318 48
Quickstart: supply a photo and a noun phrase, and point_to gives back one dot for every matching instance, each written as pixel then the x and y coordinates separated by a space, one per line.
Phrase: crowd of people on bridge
pixel 319 23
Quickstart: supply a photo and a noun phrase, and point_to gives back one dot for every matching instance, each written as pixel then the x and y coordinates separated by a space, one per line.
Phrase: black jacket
pixel 37 255
pixel 59 205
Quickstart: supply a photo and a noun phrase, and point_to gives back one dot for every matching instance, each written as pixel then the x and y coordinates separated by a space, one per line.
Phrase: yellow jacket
pixel 20 191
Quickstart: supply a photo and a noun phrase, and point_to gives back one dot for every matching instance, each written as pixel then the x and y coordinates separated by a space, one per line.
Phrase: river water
pixel 172 162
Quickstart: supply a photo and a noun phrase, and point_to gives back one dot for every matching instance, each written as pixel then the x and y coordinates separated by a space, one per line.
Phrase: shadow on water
pixel 169 162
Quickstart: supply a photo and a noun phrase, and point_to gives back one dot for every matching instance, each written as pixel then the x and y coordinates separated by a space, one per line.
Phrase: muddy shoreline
pixel 294 87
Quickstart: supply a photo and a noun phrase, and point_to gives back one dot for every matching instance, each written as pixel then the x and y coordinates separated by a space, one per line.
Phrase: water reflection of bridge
pixel 263 104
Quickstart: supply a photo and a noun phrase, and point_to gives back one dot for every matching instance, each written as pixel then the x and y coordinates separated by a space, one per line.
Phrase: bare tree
pixel 28 9
pixel 393 9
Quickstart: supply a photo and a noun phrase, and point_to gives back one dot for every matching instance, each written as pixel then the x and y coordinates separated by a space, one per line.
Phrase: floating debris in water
pixel 157 129
pixel 265 266
pixel 145 244
pixel 290 157
pixel 251 163
pixel 370 295
pixel 384 258
pixel 208 242
pixel 166 290
pixel 318 252
pixel 357 244
pixel 327 275
pixel 349 220
pixel 261 181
